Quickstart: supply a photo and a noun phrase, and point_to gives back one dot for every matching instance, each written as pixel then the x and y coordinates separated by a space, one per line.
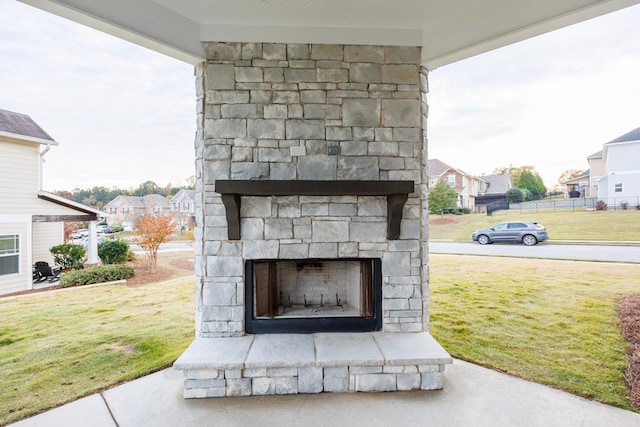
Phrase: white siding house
pixel 31 220
pixel 619 183
pixel 183 206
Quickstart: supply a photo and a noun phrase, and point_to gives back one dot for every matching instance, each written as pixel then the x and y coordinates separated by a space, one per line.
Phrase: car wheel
pixel 483 239
pixel 529 240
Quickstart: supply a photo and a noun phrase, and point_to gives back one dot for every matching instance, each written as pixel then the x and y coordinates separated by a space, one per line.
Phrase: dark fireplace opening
pixel 313 295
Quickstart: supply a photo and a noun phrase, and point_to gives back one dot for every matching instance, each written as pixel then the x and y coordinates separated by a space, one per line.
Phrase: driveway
pixel 587 252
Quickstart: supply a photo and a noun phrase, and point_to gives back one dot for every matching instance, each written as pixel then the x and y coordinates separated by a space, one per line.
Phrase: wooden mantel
pixel 397 193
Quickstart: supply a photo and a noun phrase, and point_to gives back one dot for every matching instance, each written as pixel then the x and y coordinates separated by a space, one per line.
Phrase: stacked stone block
pixel 311 379
pixel 309 112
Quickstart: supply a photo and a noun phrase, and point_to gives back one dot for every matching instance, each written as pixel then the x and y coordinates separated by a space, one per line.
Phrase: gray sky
pixel 124 115
pixel 548 102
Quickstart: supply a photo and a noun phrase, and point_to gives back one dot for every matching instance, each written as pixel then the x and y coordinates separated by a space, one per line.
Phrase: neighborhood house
pixel 613 176
pixel 124 210
pixel 614 172
pixel 31 220
pixel 492 194
pixel 467 186
pixel 183 206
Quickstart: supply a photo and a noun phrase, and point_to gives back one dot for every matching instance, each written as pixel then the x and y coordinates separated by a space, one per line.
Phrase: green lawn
pixel 566 225
pixel 553 322
pixel 58 346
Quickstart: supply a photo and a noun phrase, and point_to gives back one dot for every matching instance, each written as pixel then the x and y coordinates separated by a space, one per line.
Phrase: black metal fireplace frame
pixel 316 324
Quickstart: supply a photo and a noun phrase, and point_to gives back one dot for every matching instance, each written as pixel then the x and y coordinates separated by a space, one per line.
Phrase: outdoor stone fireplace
pixel 312 275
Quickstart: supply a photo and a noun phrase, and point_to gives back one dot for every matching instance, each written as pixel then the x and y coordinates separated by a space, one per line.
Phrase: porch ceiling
pixel 448 31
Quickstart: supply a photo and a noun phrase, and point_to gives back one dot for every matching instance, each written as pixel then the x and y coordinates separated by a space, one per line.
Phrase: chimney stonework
pixel 300 112
pixel 309 112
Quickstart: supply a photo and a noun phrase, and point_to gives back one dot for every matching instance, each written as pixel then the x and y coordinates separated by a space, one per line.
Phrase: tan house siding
pixel 21 281
pixel 596 170
pixel 19 181
pixel 18 176
pixel 45 236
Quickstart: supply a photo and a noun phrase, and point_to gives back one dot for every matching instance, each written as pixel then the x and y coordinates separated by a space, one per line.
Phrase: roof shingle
pixel 634 135
pixel 21 124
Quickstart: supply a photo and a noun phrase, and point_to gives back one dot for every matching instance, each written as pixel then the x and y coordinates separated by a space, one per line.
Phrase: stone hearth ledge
pixel 312 363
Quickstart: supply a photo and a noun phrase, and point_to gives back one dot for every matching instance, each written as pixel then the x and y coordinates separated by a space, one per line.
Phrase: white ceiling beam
pixel 447 32
pixel 145 23
pixel 321 35
pixel 437 52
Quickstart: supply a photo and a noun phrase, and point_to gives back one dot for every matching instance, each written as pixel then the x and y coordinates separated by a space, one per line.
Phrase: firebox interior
pixel 313 295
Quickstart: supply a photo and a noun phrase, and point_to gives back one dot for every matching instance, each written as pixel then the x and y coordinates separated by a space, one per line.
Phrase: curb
pixel 49 289
pixel 558 242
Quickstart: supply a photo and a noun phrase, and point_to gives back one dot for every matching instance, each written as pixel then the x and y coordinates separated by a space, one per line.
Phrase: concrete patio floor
pixel 473 396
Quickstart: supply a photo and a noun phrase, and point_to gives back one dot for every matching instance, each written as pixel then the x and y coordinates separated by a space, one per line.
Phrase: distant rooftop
pixel 497 184
pixel 634 135
pixel 436 167
pixel 21 125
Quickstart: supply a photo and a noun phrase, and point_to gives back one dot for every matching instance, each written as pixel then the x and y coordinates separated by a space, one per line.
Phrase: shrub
pixel 188 235
pixel 69 256
pixel 601 206
pixel 624 206
pixel 515 195
pixel 98 274
pixel 113 251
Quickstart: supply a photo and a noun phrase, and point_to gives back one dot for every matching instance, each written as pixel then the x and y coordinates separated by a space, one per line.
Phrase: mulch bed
pixel 441 221
pixel 144 274
pixel 169 265
pixel 629 315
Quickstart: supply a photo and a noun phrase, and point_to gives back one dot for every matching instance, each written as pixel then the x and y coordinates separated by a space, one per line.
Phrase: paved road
pixel 543 250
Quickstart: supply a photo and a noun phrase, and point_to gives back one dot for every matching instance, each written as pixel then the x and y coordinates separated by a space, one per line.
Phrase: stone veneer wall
pixel 298 111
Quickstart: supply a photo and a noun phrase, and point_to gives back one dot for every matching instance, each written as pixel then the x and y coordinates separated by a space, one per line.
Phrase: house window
pixel 185 206
pixel 9 254
pixel 125 210
pixel 618 187
pixel 157 209
pixel 451 180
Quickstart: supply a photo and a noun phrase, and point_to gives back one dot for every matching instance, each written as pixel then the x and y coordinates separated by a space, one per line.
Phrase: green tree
pixel 147 187
pixel 531 180
pixel 442 197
